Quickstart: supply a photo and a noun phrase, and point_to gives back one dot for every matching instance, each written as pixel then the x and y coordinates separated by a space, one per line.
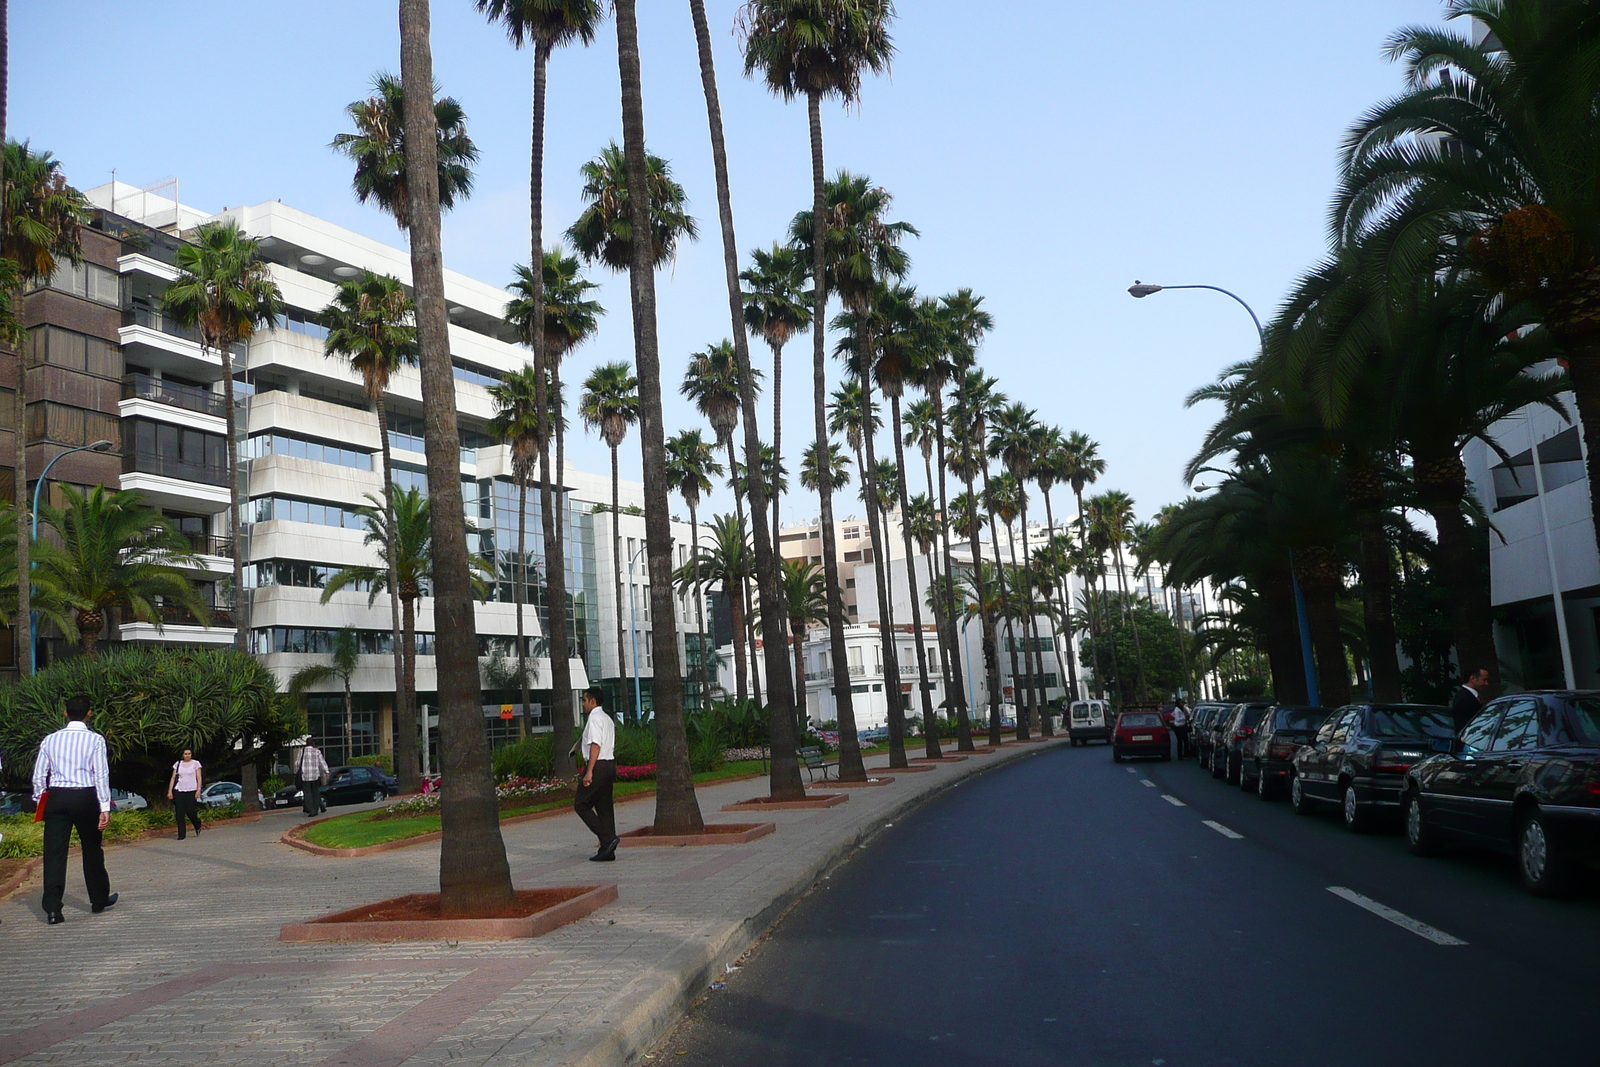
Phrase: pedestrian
pixel 1469 698
pixel 593 801
pixel 1180 727
pixel 72 780
pixel 312 770
pixel 183 789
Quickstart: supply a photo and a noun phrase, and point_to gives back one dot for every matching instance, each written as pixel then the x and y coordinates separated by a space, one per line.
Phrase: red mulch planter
pixel 834 783
pixel 821 800
pixel 728 833
pixel 937 759
pixel 415 917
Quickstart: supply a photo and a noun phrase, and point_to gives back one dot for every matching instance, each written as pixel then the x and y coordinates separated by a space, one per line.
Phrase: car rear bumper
pixel 1272 768
pixel 1089 733
pixel 1142 748
pixel 1382 791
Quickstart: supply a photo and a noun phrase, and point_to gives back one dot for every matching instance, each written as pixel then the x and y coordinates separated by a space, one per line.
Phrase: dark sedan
pixel 1140 733
pixel 1269 753
pixel 1523 778
pixel 1361 755
pixel 1204 714
pixel 359 785
pixel 1230 734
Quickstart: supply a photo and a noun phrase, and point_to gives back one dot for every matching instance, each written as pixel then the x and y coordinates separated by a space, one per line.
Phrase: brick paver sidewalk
pixel 187 969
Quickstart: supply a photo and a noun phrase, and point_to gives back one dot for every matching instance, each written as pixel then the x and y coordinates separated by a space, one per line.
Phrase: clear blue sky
pixel 1049 156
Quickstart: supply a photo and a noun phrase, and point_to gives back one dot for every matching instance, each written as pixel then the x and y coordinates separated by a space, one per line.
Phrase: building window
pixel 1561 458
pixel 325 723
pixel 63 425
pixel 288 509
pixel 849 583
pixel 859 688
pixel 177 451
pixel 310 641
pixel 302 322
pixel 89 281
pixel 297 574
pixel 473 374
pixel 286 444
pixel 74 351
pixel 852 557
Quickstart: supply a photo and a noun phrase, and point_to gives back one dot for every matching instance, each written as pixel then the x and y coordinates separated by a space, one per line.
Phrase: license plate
pixel 1144 737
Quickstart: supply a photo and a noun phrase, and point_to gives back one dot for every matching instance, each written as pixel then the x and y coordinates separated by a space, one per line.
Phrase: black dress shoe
pixel 53 917
pixel 609 850
pixel 110 902
pixel 602 857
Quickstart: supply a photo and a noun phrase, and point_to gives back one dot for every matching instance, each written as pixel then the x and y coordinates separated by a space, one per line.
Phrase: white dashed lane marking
pixel 1148 782
pixel 1174 801
pixel 1224 831
pixel 1400 919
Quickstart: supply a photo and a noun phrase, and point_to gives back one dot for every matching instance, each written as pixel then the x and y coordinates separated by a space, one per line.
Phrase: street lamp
pixel 1139 290
pixel 33 616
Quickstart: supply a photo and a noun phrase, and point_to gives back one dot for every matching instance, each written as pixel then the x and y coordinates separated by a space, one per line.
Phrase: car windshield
pixel 1141 720
pixel 1307 719
pixel 1584 714
pixel 1412 724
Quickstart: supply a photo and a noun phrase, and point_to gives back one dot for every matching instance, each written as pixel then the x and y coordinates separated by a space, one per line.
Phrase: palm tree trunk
pixel 735 591
pixel 408 633
pixel 618 564
pixel 878 524
pixel 1441 484
pixel 1365 497
pixel 1318 568
pixel 699 604
pixel 956 691
pixel 405 719
pixel 800 673
pixel 785 780
pixel 930 721
pixel 777 453
pixel 751 643
pixel 1042 699
pixel 851 768
pixel 1131 620
pixel 474 877
pixel 1089 582
pixel 991 637
pixel 677 810
pixel 519 575
pixel 1066 616
pixel 19 435
pixel 1011 630
pixel 349 720
pixel 1029 643
pixel 1282 640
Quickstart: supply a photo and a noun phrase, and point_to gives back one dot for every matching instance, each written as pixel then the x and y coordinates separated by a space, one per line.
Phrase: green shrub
pixel 528 757
pixel 636 745
pixel 24 837
pixel 381 759
pixel 737 725
pixel 271 784
pixel 706 754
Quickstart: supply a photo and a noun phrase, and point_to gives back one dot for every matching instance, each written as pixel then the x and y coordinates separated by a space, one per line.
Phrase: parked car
pixel 289 796
pixel 359 785
pixel 1523 778
pixel 1229 736
pixel 1140 733
pixel 1269 753
pixel 221 794
pixel 1200 729
pixel 15 803
pixel 1088 722
pixel 1361 756
pixel 122 800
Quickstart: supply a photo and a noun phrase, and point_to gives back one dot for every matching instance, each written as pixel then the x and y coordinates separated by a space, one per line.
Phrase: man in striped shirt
pixel 72 765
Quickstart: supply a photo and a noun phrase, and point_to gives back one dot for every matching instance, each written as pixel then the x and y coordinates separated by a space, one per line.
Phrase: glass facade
pixel 325 723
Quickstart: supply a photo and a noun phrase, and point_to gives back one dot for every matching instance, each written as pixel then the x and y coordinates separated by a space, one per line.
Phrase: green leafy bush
pixel 381 759
pixel 738 725
pixel 25 838
pixel 528 757
pixel 636 745
pixel 271 784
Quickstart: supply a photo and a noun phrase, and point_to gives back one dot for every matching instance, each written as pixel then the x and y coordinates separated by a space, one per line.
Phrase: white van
pixel 1088 722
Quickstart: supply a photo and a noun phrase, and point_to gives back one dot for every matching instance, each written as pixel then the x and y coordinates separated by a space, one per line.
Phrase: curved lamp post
pixel 38 487
pixel 1139 290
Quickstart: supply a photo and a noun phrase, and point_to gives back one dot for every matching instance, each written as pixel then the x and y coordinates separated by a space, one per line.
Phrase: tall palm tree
pixel 818 49
pixel 1017 440
pixel 517 423
pixel 608 406
pixel 975 402
pixel 474 877
pixel 1112 514
pixel 691 464
pixel 345 657
pixel 806 602
pixel 224 288
pixel 1003 499
pixel 603 231
pixel 568 318
pixel 378 149
pixel 838 467
pixel 776 307
pixel 1081 467
pixel 370 324
pixel 726 561
pixel 1050 468
pixel 785 768
pixel 115 554
pixel 39 219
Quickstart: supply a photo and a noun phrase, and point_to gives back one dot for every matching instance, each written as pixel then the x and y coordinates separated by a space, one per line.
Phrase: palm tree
pixel 517 423
pixel 474 877
pixel 39 219
pixel 346 657
pixel 609 405
pixel 378 149
pixel 225 289
pixel 1017 440
pixel 115 554
pixel 1004 503
pixel 975 403
pixel 604 230
pixel 1081 466
pixel 726 560
pixel 806 602
pixel 1049 470
pixel 370 325
pixel 1112 514
pixel 568 319
pixel 803 47
pixel 691 464
pixel 775 306
pixel 838 467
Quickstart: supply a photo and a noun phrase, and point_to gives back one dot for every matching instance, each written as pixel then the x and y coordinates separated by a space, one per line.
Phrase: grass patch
pixel 362 828
pixel 24 838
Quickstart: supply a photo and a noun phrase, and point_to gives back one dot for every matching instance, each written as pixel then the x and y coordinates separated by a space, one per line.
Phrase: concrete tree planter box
pixel 821 800
pixel 550 908
pixel 728 833
pixel 938 759
pixel 913 769
pixel 870 783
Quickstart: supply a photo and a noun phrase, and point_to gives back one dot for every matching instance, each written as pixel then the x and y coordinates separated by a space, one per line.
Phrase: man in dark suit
pixel 1469 698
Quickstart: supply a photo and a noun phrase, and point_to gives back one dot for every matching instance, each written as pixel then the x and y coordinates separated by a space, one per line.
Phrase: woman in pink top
pixel 182 788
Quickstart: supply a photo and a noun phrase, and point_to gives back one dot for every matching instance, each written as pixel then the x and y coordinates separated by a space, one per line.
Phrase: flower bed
pixel 735 755
pixel 512 793
pixel 642 773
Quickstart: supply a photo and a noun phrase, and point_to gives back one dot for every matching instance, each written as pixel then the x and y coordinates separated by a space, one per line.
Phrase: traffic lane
pixel 1474 894
pixel 1058 911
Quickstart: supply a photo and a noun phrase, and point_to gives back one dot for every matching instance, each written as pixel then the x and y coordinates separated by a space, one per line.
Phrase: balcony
pixel 187 397
pixel 150 318
pixel 206 545
pixel 182 470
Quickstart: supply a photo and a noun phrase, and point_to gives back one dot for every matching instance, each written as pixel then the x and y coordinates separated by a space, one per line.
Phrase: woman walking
pixel 182 789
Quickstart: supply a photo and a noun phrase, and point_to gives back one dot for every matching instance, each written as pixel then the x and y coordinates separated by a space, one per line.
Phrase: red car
pixel 1140 733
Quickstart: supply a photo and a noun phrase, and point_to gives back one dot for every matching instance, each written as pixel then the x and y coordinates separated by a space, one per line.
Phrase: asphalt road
pixel 1064 910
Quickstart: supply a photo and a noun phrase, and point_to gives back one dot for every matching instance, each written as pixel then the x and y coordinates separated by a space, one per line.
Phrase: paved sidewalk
pixel 187 969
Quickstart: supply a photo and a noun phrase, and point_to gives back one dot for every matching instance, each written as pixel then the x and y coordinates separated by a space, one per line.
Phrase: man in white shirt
pixel 1180 727
pixel 72 767
pixel 593 802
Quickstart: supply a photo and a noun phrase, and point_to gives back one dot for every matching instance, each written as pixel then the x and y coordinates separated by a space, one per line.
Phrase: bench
pixel 815 761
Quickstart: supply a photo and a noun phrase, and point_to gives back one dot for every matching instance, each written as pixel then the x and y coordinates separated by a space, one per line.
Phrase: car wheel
pixel 1231 772
pixel 1299 798
pixel 1116 757
pixel 1264 788
pixel 378 796
pixel 1218 768
pixel 1246 783
pixel 1541 862
pixel 1421 838
pixel 1356 818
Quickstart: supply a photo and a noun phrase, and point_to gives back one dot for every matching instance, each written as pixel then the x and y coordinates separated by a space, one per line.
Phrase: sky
pixel 1048 158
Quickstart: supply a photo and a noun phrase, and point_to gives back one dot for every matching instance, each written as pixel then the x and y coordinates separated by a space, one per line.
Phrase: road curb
pixel 661 995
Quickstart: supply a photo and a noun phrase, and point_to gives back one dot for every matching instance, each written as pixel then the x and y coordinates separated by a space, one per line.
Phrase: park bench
pixel 815 761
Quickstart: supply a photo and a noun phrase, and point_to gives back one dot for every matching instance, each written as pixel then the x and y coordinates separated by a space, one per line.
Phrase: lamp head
pixel 101 446
pixel 1139 290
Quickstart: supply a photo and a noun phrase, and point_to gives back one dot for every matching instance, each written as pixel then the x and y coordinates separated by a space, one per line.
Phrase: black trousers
pixel 311 797
pixel 593 802
pixel 185 809
pixel 64 811
pixel 1182 733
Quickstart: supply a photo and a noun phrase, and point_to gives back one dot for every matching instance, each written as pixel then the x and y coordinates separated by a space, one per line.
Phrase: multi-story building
pixel 852 537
